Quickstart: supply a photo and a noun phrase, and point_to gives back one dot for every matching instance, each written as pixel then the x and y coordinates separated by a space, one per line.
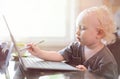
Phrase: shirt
pixel 102 63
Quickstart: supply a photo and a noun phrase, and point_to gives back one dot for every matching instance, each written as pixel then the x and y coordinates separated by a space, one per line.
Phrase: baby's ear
pixel 100 32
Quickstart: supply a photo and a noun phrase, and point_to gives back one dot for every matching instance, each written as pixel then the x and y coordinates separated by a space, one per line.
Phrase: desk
pixel 16 72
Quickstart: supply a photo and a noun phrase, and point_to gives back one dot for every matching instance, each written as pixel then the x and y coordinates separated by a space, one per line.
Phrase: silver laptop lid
pixel 13 40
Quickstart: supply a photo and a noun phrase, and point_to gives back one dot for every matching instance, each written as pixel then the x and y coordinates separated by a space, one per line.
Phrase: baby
pixel 95 29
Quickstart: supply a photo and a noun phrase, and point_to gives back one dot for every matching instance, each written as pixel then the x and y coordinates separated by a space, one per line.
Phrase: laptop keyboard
pixel 36 63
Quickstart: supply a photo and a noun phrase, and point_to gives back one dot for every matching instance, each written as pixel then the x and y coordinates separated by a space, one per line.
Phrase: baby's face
pixel 87 30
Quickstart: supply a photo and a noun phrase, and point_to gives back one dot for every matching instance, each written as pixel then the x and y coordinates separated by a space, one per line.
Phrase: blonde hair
pixel 105 19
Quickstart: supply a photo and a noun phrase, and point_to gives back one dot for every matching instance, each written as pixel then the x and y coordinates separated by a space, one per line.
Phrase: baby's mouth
pixel 78 38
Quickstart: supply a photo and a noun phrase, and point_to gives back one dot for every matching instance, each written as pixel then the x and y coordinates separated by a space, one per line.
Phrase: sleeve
pixel 67 52
pixel 71 53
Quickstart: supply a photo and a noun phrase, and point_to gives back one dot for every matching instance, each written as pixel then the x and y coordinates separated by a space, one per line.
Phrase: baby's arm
pixel 43 54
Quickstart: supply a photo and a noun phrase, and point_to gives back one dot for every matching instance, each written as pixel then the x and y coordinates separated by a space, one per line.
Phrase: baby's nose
pixel 78 33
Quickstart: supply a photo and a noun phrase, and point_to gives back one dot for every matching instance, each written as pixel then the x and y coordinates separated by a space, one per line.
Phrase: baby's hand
pixel 33 49
pixel 81 67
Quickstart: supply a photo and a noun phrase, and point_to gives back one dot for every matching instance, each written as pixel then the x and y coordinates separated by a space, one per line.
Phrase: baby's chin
pixel 80 41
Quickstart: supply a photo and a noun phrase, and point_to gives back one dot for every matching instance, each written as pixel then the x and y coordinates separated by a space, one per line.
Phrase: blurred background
pixel 49 20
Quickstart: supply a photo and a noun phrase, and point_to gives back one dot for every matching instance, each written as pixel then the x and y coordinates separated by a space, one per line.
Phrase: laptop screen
pixel 12 39
pixel 6 47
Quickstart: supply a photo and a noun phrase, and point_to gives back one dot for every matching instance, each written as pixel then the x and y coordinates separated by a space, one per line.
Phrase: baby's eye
pixel 82 28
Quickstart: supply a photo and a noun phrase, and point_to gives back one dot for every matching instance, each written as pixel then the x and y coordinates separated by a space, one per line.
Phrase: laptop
pixel 33 63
